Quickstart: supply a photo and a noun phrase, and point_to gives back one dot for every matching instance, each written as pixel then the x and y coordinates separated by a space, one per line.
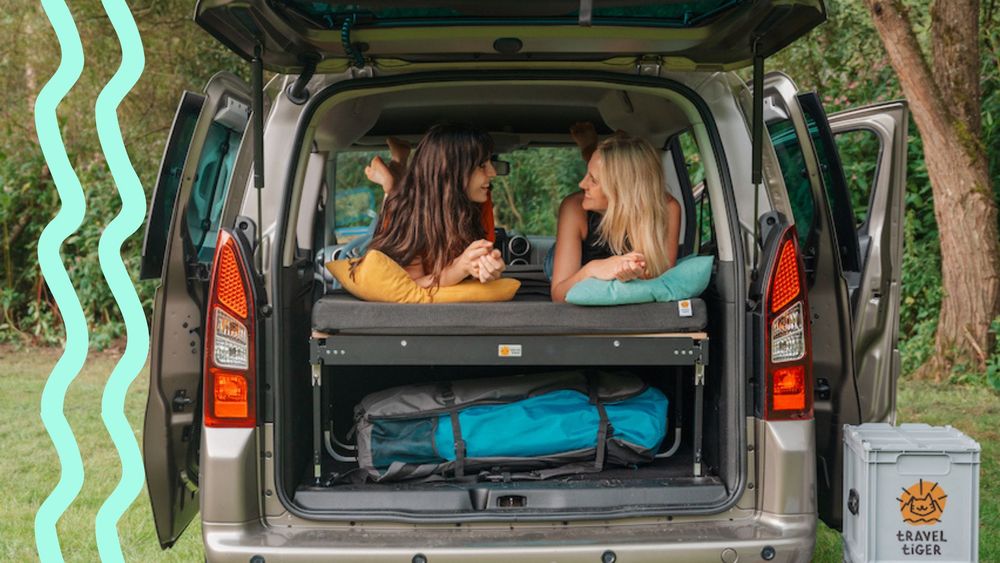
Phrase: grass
pixel 29 456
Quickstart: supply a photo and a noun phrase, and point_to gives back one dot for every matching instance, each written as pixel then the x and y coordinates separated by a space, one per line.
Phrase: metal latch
pixel 649 65
pixel 699 373
pixel 317 375
pixel 188 482
pixel 180 400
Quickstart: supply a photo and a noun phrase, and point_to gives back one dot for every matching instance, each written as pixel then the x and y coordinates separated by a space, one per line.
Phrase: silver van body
pixel 774 477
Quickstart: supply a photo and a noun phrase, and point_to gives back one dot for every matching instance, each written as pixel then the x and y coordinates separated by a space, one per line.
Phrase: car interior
pixel 337 206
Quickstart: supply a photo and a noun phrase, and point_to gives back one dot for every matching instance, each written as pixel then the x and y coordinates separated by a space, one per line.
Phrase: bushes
pixel 179 56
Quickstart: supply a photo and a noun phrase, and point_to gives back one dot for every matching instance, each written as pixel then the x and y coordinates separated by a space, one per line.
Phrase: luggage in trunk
pixel 542 425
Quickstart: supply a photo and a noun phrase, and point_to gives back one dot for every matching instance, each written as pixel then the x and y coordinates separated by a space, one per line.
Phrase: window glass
pixel 165 193
pixel 692 158
pixel 704 231
pixel 208 194
pixel 859 155
pixel 357 200
pixel 835 186
pixel 672 14
pixel 793 170
pixel 527 200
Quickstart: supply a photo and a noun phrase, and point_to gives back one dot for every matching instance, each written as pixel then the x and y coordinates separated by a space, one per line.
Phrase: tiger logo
pixel 922 504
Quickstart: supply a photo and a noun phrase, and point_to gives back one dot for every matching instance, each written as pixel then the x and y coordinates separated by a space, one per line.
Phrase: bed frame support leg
pixel 699 413
pixel 317 393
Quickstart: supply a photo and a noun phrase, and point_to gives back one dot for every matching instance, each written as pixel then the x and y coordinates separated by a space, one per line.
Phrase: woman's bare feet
pixel 400 151
pixel 386 175
pixel 585 136
pixel 378 172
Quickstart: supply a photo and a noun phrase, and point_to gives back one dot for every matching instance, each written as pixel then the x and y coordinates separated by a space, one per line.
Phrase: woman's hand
pixel 468 262
pixel 626 267
pixel 489 267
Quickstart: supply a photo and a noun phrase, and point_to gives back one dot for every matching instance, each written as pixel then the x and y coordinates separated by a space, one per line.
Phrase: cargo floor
pixel 665 482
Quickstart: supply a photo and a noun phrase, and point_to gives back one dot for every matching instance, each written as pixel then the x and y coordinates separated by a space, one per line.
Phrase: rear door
pixel 180 240
pixel 704 34
pixel 839 273
pixel 872 143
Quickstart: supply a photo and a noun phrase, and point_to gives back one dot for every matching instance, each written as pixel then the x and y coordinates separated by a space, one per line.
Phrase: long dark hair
pixel 429 216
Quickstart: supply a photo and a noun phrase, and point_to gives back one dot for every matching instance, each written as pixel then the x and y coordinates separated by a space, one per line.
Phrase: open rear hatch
pixel 693 34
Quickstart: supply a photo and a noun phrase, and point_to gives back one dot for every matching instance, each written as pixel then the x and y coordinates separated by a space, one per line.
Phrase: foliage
pixel 527 200
pixel 843 60
pixel 179 56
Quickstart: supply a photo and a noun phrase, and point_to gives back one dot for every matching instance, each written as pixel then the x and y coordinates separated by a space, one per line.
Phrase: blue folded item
pixel 520 422
pixel 553 423
pixel 687 279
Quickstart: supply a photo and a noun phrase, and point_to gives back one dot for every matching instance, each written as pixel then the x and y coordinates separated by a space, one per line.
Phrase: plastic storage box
pixel 911 493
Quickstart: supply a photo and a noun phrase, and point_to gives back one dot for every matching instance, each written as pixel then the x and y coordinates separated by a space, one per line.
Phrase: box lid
pixel 912 437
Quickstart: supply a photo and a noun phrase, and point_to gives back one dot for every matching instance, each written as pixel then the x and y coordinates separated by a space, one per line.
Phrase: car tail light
pixel 788 360
pixel 230 375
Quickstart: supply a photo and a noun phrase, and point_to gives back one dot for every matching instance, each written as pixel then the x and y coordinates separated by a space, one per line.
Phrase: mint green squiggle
pixel 65 223
pixel 124 224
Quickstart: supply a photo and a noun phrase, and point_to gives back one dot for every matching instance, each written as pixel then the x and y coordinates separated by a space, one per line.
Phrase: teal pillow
pixel 687 279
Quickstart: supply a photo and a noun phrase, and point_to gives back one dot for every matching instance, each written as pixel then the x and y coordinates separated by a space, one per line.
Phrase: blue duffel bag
pixel 544 425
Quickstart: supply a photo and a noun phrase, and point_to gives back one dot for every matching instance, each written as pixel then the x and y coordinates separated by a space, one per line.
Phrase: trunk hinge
pixel 367 71
pixel 296 92
pixel 586 13
pixel 649 65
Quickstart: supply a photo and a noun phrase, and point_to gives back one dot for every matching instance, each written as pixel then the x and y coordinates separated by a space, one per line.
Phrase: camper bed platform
pixel 349 332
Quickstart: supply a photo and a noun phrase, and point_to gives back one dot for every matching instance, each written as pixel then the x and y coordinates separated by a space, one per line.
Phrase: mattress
pixel 341 313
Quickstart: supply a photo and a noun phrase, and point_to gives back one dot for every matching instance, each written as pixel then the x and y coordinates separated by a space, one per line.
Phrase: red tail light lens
pixel 785 284
pixel 788 358
pixel 230 375
pixel 789 388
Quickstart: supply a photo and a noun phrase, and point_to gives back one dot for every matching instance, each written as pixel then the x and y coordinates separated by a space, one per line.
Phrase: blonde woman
pixel 622 224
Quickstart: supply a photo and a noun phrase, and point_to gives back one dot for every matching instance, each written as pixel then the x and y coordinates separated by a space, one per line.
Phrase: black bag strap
pixel 604 427
pixel 456 430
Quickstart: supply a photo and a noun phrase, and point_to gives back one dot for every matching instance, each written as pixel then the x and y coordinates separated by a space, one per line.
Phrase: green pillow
pixel 687 279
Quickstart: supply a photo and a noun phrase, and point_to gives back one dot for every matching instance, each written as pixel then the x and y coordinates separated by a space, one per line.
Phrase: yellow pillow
pixel 380 278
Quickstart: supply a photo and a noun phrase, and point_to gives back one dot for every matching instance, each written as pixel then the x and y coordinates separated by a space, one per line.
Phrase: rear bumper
pixel 791 537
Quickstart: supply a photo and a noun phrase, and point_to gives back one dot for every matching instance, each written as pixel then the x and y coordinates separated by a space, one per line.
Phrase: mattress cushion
pixel 339 312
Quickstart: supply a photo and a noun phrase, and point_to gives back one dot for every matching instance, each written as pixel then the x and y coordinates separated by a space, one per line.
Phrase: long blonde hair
pixel 637 217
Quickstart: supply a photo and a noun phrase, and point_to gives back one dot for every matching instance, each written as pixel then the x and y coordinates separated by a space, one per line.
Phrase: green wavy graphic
pixel 65 223
pixel 128 220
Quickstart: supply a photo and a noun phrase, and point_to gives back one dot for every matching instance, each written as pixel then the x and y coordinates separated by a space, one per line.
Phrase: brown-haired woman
pixel 432 216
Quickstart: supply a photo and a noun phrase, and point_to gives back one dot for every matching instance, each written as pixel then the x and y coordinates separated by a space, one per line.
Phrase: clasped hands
pixel 624 268
pixel 481 261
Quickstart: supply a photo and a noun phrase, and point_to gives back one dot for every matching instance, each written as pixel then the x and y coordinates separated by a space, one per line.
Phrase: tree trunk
pixel 958 169
pixel 956 56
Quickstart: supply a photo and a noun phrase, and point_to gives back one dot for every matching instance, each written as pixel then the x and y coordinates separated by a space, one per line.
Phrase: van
pixel 259 359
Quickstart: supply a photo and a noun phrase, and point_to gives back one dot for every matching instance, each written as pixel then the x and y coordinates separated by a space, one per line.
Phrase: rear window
pixel 526 201
pixel 385 12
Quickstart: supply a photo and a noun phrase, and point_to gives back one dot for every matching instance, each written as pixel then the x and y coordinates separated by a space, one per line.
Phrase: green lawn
pixel 32 469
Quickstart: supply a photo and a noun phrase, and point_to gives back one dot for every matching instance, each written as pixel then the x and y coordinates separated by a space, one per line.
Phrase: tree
pixel 944 98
